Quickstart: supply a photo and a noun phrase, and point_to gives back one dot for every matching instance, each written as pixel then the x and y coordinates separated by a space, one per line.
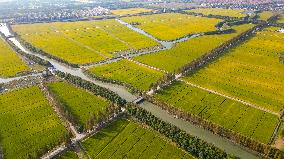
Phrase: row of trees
pixel 263 149
pixel 40 51
pixel 191 144
pixel 97 90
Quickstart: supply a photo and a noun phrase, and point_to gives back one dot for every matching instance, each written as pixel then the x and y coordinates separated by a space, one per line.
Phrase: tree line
pixel 263 149
pixel 97 90
pixel 194 146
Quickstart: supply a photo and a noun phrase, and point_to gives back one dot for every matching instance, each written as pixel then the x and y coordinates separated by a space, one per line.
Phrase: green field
pixel 140 77
pixel 81 104
pixel 127 139
pixel 232 115
pixel 185 52
pixel 83 41
pixel 10 63
pixel 265 15
pixel 171 26
pixel 251 72
pixel 238 13
pixel 130 11
pixel 28 124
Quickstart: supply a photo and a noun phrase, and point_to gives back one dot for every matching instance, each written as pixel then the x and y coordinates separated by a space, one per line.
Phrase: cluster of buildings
pixel 58 15
pixel 244 4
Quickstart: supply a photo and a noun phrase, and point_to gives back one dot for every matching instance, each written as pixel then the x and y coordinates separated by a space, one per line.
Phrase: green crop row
pixel 126 139
pixel 29 126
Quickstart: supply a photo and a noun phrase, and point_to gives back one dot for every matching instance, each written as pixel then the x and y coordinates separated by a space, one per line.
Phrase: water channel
pixel 194 130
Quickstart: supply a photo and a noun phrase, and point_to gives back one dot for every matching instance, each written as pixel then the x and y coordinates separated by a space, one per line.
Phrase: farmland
pixel 128 72
pixel 237 13
pixel 10 63
pixel 127 139
pixel 28 124
pixel 84 41
pixel 185 52
pixel 81 104
pixel 130 11
pixel 171 26
pixel 265 15
pixel 250 72
pixel 235 116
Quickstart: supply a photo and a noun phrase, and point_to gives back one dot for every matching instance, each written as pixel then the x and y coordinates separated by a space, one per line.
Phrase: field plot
pixel 185 52
pixel 84 41
pixel 237 13
pixel 28 124
pixel 171 26
pixel 81 104
pixel 130 11
pixel 126 139
pixel 250 72
pixel 232 115
pixel 140 77
pixel 10 63
pixel 265 15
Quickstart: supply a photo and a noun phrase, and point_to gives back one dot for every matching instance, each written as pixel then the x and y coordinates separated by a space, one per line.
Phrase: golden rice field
pixel 130 11
pixel 140 77
pixel 251 72
pixel 238 13
pixel 185 52
pixel 84 41
pixel 171 26
pixel 10 62
pixel 265 15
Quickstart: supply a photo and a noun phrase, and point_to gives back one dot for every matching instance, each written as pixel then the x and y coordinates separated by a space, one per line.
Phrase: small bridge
pixel 138 100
